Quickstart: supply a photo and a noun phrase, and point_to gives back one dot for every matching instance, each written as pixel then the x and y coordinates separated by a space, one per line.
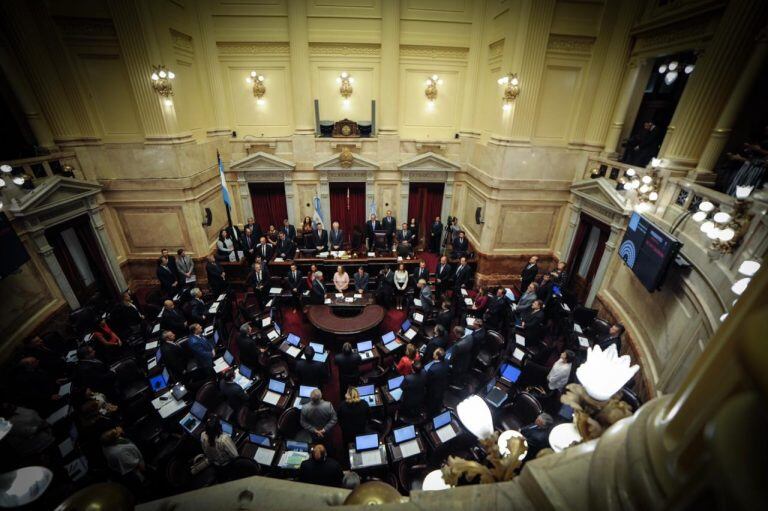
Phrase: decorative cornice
pixel 496 50
pixel 570 44
pixel 181 40
pixel 91 28
pixel 700 29
pixel 344 50
pixel 434 52
pixel 253 48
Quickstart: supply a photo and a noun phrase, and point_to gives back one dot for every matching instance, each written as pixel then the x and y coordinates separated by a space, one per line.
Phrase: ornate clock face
pixel 346 130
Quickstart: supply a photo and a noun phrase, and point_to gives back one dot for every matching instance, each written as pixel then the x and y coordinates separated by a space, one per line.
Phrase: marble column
pixel 733 108
pixel 107 250
pixel 573 224
pixel 221 126
pixel 390 68
pixel 610 247
pixel 303 108
pixel 46 252
pixel 620 110
pixel 467 127
pixel 705 94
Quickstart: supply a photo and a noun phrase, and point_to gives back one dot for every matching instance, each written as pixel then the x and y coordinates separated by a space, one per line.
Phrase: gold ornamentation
pixel 161 81
pixel 346 158
pixel 570 44
pixel 590 416
pixel 496 50
pixel 243 48
pixel 496 468
pixel 343 50
pixel 257 80
pixel 181 40
pixel 434 52
pixel 345 84
pixel 431 91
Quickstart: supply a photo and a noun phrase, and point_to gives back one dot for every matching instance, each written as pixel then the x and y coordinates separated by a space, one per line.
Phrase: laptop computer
pixel 320 354
pixel 443 427
pixel 305 391
pixel 244 377
pixel 389 340
pixel 275 390
pixel 494 395
pixel 395 383
pixel 367 450
pixel 405 438
pixel 509 373
pixel 365 349
pixel 224 363
pixel 295 452
pixel 292 345
pixel 194 418
pixel 408 332
pixel 259 448
pixel 159 382
pixel 293 340
pixel 367 394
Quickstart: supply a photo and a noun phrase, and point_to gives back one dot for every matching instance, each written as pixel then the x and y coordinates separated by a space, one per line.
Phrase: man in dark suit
pixel 310 372
pixel 361 279
pixel 197 307
pixel 249 350
pixel 167 277
pixel 535 324
pixel 173 356
pixel 537 434
pixel 445 316
pixel 460 246
pixel 285 248
pixel 172 319
pixel 93 373
pixel 414 391
pixel 421 272
pixel 248 244
pixel 336 237
pixel 232 392
pixel 386 286
pixel 425 295
pixel 255 228
pixel 404 234
pixel 529 273
pixel 497 311
pixel 320 469
pixel 216 275
pixel 435 235
pixel 438 378
pixel 264 250
pixel 461 355
pixel 171 260
pixel 389 224
pixel 258 279
pixel 202 349
pixel 348 362
pixel 289 230
pixel 614 337
pixel 462 276
pixel 443 275
pixel 295 280
pixel 320 238
pixel 371 226
pixel 317 293
pixel 545 291
pixel 439 340
pixel 478 338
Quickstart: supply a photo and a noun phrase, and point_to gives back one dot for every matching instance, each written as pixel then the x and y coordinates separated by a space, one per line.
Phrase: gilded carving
pixel 181 40
pixel 346 159
pixel 495 50
pixel 691 30
pixel 253 48
pixel 434 52
pixel 345 50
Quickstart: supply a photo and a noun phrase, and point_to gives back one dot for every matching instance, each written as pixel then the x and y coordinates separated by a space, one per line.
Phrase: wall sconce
pixel 345 87
pixel 511 89
pixel 726 230
pixel 431 91
pixel 259 89
pixel 161 82
pixel 645 188
pixel 671 70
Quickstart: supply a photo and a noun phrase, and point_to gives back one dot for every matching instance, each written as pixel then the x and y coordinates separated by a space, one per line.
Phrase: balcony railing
pixel 39 167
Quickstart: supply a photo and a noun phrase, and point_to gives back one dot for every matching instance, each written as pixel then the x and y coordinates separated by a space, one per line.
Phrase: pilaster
pixel 390 67
pixel 621 108
pixel 97 222
pixel 303 118
pixel 468 128
pixel 610 247
pixel 46 253
pixel 705 96
pixel 221 121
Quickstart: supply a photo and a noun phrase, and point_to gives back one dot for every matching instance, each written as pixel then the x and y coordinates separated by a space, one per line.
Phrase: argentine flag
pixel 224 189
pixel 317 217
pixel 373 207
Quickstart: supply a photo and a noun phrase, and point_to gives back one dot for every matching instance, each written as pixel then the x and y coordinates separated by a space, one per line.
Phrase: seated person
pixel 218 446
pixel 414 392
pixel 320 469
pixel 537 434
pixel 232 392
pixel 405 365
pixel 481 303
pixel 340 279
pixel 123 457
pixel 30 434
pixel 460 246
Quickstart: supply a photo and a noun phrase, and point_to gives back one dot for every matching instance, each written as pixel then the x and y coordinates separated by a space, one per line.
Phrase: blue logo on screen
pixel 634 220
pixel 628 253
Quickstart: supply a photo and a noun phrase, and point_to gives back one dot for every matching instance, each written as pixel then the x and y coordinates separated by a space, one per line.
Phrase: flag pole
pixel 226 202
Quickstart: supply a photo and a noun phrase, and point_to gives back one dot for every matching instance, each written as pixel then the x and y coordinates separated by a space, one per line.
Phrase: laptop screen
pixel 198 410
pixel 319 348
pixel 158 382
pixel 229 358
pixel 366 390
pixel 158 355
pixel 226 427
pixel 365 346
pixel 441 420
pixel 215 337
pixel 406 325
pixel 305 390
pixel 388 337
pixel 395 382
pixel 489 386
pixel 276 386
pixel 293 445
pixel 405 434
pixel 294 339
pixel 509 372
pixel 246 371
pixel 259 440
pixel 366 442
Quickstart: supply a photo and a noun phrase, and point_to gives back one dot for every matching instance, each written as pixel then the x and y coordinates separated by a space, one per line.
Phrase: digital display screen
pixel 404 434
pixel 395 382
pixel 366 390
pixel 365 346
pixel 389 336
pixel 441 420
pixel 509 373
pixel 365 442
pixel 259 440
pixel 648 250
pixel 294 339
pixel 276 386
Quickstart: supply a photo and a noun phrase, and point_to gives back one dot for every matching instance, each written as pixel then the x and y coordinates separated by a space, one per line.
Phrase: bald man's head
pixel 319 453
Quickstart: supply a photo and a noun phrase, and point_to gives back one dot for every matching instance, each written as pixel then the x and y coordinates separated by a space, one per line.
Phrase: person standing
pixel 425 295
pixel 202 349
pixel 529 273
pixel 435 235
pixel 421 273
pixel 185 267
pixel 389 224
pixel 361 280
pixel 336 237
pixel 216 275
pixel 320 469
pixel 371 226
pixel 285 248
pixel 318 416
pixel 405 365
pixel 560 373
pixel 443 275
pixel 353 415
pixel 401 284
pixel 438 379
pixel 348 362
pixel 340 279
pixel 167 277
pixel 289 230
pixel 320 237
pixel 225 248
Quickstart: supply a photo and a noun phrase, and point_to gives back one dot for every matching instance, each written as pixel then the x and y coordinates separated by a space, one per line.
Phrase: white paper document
pixel 446 433
pixel 468 301
pixel 271 397
pixel 357 296
pixel 372 457
pixel 410 448
pixel 519 339
pixel 293 351
pixel 417 302
pixel 275 290
pixel 266 321
pixel 264 456
pixel 327 301
pixel 577 328
pixel 156 328
pixel 418 317
pixel 583 342
pixel 349 299
pixel 410 334
pixel 272 335
pixel 151 345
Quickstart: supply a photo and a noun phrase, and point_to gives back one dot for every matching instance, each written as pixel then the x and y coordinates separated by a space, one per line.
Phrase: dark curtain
pixel 91 248
pixel 348 211
pixel 425 202
pixel 269 206
pixel 598 255
pixel 67 264
pixel 581 233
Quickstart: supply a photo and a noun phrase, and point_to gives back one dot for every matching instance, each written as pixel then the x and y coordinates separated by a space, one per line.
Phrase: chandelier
pixel 726 230
pixel 672 68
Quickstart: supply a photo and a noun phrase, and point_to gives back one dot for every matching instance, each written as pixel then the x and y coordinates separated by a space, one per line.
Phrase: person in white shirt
pixel 217 446
pixel 122 455
pixel 401 284
pixel 558 376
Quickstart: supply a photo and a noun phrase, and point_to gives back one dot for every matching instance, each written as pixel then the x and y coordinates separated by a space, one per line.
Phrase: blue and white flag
pixel 224 189
pixel 317 217
pixel 373 207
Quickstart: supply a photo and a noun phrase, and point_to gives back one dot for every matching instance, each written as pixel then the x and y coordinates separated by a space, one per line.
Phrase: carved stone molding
pixel 692 31
pixel 181 40
pixel 344 50
pixel 496 50
pixel 570 44
pixel 434 52
pixel 253 48
pixel 86 28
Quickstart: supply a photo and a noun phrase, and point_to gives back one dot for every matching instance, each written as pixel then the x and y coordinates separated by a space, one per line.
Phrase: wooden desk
pixel 323 318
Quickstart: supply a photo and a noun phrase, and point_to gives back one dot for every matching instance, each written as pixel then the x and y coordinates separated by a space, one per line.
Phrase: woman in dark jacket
pixel 353 415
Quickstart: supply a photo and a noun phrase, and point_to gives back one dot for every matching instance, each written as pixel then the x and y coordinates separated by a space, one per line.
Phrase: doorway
pixel 269 205
pixel 81 260
pixel 425 202
pixel 586 253
pixel 348 208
